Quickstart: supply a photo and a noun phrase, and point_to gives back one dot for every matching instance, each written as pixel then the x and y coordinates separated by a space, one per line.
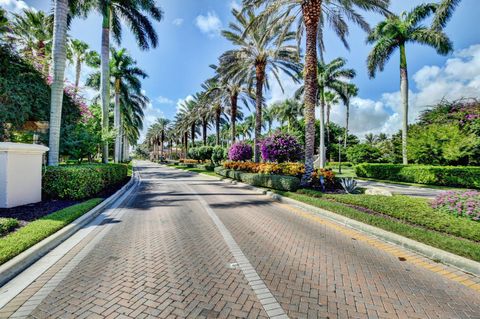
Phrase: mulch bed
pixel 30 212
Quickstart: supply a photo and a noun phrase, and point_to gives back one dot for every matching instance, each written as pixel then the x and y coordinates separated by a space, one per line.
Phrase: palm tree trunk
pixel 260 78
pixel 193 134
pixel 233 116
pixel 347 118
pixel 404 93
pixel 186 144
pixel 162 141
pixel 218 114
pixel 327 121
pixel 322 150
pixel 116 121
pixel 59 62
pixel 105 80
pixel 78 71
pixel 311 14
pixel 204 131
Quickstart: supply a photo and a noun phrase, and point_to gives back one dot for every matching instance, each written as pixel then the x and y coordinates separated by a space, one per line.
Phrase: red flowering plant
pixel 459 203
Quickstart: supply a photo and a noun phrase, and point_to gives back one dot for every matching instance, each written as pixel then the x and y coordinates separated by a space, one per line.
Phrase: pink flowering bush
pixel 280 148
pixel 459 203
pixel 240 152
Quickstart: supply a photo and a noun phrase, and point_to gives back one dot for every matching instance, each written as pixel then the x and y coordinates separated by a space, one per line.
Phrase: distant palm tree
pixel 332 76
pixel 288 111
pixel 189 118
pixel 262 50
pixel 349 91
pixel 394 32
pixel 78 53
pixel 112 13
pixel 58 72
pixel 163 124
pixel 132 109
pixel 312 16
pixel 213 98
pixel 269 117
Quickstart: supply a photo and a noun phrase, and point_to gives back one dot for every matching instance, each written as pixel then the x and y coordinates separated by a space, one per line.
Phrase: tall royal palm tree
pixel 331 98
pixel 133 13
pixel 59 55
pixel 78 54
pixel 262 50
pixel 332 76
pixel 398 30
pixel 349 91
pixel 313 15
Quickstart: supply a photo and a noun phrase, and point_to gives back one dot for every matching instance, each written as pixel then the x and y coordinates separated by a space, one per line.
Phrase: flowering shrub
pixel 459 203
pixel 188 161
pixel 328 177
pixel 290 169
pixel 240 152
pixel 280 147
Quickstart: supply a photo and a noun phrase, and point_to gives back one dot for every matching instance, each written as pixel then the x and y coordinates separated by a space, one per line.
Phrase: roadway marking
pixel 264 295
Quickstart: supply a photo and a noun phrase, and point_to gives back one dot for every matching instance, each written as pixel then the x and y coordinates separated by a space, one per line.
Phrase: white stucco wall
pixel 20 174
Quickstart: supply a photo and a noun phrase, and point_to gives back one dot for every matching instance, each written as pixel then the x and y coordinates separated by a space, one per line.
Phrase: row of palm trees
pixel 264 47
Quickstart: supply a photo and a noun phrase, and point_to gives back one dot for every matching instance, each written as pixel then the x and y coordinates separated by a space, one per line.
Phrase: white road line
pixel 268 301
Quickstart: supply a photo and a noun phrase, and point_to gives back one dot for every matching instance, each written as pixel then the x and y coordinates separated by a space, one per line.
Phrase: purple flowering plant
pixel 240 152
pixel 459 203
pixel 280 148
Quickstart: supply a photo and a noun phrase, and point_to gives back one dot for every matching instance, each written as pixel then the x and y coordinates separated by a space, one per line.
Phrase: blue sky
pixel 189 42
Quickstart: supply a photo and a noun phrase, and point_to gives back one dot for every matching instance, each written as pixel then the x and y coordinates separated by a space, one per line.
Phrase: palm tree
pixel 79 53
pixel 350 90
pixel 132 104
pixel 288 111
pixel 331 98
pixel 312 15
pixel 262 50
pixel 394 32
pixel 189 118
pixel 269 117
pixel 163 124
pixel 214 99
pixel 332 76
pixel 132 13
pixel 58 67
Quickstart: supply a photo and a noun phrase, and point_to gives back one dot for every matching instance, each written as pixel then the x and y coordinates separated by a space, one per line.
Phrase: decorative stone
pixel 378 191
pixel 20 174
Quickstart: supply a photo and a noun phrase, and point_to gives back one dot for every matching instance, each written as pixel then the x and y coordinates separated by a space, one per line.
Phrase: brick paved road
pixel 190 246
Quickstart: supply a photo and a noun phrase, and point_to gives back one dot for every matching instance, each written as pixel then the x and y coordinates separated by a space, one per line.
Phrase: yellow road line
pixel 388 248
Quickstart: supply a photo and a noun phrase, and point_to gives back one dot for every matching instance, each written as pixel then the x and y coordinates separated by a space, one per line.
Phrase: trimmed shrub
pixel 280 148
pixel 7 225
pixel 240 152
pixel 201 153
pixel 81 181
pixel 455 176
pixel 218 155
pixel 279 182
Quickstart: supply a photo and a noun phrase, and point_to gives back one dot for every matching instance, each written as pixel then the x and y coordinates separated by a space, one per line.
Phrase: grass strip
pixel 17 242
pixel 7 225
pixel 458 246
pixel 195 170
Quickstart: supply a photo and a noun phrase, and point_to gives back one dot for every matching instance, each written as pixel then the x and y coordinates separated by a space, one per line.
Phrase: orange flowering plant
pixel 288 168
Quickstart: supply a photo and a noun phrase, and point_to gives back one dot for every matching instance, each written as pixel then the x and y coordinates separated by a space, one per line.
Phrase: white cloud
pixel 151 115
pixel 164 100
pixel 14 5
pixel 181 101
pixel 209 24
pixel 276 94
pixel 234 4
pixel 177 22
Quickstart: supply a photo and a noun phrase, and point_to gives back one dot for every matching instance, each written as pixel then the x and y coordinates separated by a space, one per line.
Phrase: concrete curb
pixel 19 263
pixel 455 261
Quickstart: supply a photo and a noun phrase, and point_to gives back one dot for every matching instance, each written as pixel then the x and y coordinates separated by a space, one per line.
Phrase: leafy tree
pixel 398 30
pixel 363 153
pixel 312 16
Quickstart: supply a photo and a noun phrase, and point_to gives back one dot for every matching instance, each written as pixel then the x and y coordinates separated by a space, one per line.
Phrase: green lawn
pixel 406 216
pixel 24 238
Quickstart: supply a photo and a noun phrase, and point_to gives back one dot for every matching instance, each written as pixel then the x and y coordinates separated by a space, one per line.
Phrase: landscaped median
pixel 410 217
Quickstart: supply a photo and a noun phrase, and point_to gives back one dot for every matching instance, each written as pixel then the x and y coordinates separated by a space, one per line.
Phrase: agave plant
pixel 349 185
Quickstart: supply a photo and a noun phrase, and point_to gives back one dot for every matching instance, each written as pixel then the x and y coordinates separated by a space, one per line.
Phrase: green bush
pixel 455 176
pixel 364 153
pixel 7 225
pixel 81 181
pixel 336 164
pixel 279 182
pixel 202 153
pixel 218 155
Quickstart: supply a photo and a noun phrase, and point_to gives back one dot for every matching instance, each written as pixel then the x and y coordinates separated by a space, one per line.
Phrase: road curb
pixel 19 263
pixel 455 261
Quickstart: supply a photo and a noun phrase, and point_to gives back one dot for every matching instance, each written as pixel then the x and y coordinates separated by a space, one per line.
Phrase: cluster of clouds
pixel 14 6
pixel 459 77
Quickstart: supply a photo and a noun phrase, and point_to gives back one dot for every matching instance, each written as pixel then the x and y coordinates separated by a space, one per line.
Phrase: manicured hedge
pixel 455 176
pixel 81 181
pixel 279 182
pixel 7 225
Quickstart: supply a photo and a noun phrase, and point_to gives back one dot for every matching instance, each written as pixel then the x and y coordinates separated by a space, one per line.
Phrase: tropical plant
pixel 349 185
pixel 262 50
pixel 4 23
pixel 398 30
pixel 288 111
pixel 331 98
pixel 312 15
pixel 78 53
pixel 134 14
pixel 349 91
pixel 281 147
pixel 240 152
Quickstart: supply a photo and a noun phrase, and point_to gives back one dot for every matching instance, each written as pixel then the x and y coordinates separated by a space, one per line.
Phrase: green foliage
pixel 455 176
pixel 81 181
pixel 7 225
pixel 363 153
pixel 15 243
pixel 202 153
pixel 279 182
pixel 218 155
pixel 462 247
